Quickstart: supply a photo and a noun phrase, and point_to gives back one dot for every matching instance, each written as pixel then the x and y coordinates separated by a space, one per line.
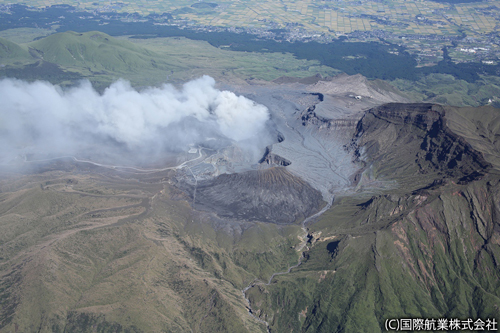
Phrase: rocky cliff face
pixel 417 136
pixel 414 233
pixel 419 237
pixel 272 159
pixel 310 118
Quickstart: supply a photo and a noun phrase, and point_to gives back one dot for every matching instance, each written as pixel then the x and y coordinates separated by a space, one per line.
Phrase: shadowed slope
pixel 271 195
pixel 428 247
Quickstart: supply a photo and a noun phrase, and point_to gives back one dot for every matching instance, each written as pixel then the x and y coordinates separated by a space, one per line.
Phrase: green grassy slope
pixel 199 57
pixel 93 50
pixel 103 59
pixel 480 127
pixel 423 249
pixel 445 89
pixel 12 53
pixel 81 253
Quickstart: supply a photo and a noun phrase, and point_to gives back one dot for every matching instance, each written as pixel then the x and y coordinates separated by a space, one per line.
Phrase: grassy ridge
pixel 94 50
pixel 81 252
pixel 446 89
pixel 103 59
pixel 11 52
pixel 412 269
pixel 145 62
pixel 412 251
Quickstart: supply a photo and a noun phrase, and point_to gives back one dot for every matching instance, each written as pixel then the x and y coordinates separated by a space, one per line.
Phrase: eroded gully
pixel 299 262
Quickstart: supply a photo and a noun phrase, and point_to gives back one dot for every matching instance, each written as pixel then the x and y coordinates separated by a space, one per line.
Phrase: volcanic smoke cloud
pixel 39 117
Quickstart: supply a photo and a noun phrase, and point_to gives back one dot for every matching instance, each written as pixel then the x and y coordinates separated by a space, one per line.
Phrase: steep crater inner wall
pixel 271 195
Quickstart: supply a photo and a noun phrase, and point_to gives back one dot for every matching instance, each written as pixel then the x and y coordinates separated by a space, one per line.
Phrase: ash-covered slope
pixel 374 91
pixel 312 131
pixel 297 174
pixel 314 128
pixel 420 238
pixel 413 230
pixel 271 195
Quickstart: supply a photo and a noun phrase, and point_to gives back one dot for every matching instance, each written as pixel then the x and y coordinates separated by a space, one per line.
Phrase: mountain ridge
pixel 414 234
pixel 419 249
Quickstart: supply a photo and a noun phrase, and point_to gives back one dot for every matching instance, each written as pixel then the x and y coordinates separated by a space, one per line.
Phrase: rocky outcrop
pixel 309 117
pixel 272 159
pixel 416 132
pixel 420 236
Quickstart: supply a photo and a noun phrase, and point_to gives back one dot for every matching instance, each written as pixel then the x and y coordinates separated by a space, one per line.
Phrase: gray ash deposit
pixel 300 172
pixel 271 195
pixel 275 153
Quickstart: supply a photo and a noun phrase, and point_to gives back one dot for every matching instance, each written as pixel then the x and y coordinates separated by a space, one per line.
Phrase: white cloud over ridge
pixel 42 117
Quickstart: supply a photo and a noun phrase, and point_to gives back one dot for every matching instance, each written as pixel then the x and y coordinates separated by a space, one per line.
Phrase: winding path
pixel 121 167
pixel 299 262
pixel 185 164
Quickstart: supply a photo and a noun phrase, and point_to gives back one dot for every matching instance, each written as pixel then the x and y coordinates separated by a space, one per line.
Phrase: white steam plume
pixel 41 117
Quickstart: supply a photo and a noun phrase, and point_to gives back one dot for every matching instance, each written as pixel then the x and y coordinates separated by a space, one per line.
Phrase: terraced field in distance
pixel 396 16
